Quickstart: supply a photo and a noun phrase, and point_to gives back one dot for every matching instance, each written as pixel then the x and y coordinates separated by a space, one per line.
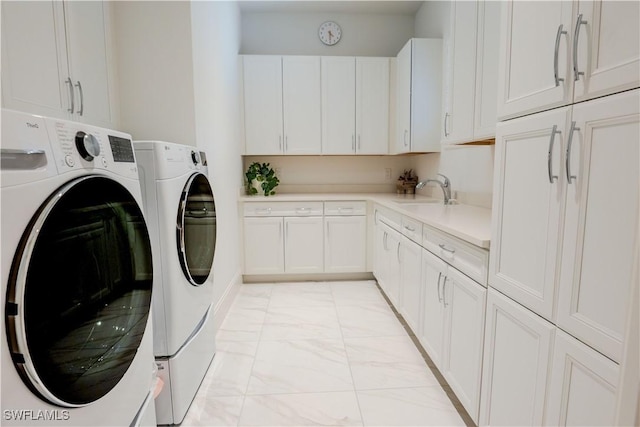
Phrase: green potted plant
pixel 260 176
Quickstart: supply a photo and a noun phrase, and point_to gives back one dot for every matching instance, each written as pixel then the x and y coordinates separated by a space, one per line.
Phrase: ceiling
pixel 334 6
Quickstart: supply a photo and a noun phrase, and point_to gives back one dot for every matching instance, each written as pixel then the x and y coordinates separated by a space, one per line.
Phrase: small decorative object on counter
pixel 406 183
pixel 261 178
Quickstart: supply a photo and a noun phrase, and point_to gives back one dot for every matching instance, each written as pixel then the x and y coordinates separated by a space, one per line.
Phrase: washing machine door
pixel 196 229
pixel 79 292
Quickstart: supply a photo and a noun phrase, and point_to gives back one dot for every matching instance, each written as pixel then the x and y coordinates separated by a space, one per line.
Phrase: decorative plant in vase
pixel 260 176
pixel 407 182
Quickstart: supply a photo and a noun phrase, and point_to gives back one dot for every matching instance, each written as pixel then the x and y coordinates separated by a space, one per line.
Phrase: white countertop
pixel 469 223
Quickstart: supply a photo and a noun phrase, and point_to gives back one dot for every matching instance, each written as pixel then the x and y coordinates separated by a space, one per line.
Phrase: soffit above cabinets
pixel 362 7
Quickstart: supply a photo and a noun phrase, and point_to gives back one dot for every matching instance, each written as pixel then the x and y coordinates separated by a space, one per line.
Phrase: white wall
pixel 349 174
pixel 155 69
pixel 216 42
pixel 276 33
pixel 470 168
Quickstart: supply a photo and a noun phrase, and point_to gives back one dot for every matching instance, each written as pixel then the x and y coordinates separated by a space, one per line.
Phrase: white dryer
pixel 76 277
pixel 181 217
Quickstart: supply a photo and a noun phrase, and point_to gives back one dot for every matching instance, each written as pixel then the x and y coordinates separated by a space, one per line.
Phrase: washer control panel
pixel 79 146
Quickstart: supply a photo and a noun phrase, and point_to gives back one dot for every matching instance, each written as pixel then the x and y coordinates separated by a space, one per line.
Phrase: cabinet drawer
pixel 389 217
pixel 346 208
pixel 467 258
pixel 412 229
pixel 283 208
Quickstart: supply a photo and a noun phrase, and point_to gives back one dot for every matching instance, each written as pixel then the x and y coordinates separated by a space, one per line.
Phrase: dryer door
pixel 196 229
pixel 79 292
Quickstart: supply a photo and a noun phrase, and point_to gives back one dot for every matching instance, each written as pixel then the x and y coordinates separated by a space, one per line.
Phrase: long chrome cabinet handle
pixel 552 177
pixel 359 145
pixel 446 120
pixel 439 277
pixel 398 252
pixel 70 83
pixel 444 292
pixel 570 177
pixel 576 34
pixel 555 56
pixel 353 143
pixel 384 242
pixel 405 137
pixel 280 142
pixel 81 109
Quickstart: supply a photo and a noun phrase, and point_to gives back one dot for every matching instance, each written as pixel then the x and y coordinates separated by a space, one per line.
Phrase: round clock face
pixel 329 33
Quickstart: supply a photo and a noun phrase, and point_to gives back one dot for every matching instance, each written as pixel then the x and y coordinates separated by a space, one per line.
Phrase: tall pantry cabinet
pixel 565 211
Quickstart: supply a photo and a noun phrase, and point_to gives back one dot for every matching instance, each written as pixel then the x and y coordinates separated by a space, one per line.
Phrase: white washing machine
pixel 181 217
pixel 76 277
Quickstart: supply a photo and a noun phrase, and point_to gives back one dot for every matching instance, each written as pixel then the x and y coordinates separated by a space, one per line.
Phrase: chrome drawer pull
pixel 409 228
pixel 444 248
pixel 266 211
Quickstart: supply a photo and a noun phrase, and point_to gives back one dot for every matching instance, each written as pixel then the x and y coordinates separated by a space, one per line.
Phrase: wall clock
pixel 329 33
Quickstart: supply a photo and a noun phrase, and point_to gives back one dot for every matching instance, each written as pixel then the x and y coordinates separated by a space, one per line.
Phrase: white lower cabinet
pixel 391 284
pixel 452 327
pixel 345 244
pixel 410 283
pixel 464 305
pixel 263 246
pixel 303 249
pixel 582 387
pixel 516 362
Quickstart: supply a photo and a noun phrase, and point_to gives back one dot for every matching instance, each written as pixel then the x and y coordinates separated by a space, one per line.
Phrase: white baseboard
pixel 224 303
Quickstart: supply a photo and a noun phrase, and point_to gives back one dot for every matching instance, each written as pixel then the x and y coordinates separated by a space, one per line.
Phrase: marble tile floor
pixel 320 354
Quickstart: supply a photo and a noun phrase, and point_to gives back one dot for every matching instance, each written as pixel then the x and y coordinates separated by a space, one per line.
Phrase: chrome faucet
pixel 445 185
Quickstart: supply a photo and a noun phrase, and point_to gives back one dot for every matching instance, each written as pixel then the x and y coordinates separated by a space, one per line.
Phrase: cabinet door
pixel 434 270
pixel 601 221
pixel 410 283
pixel 403 100
pixel 608 48
pixel 87 42
pixel 516 359
pixel 582 385
pixel 487 67
pixel 338 105
pixel 457 124
pixel 263 104
pixel 426 95
pixel 526 208
pixel 464 302
pixel 392 267
pixel 379 250
pixel 345 245
pixel 534 35
pixel 34 59
pixel 372 105
pixel 263 246
pixel 303 245
pixel 301 104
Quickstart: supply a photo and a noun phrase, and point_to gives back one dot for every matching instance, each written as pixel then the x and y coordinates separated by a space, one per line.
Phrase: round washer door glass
pixel 196 231
pixel 79 292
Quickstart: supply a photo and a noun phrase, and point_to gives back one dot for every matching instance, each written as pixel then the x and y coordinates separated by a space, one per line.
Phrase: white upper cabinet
pixel 55 60
pixel 338 105
pixel 418 96
pixel 555 53
pixel 601 220
pixel 535 71
pixel 355 105
pixel 471 72
pixel 301 100
pixel 263 104
pixel 606 54
pixel 372 105
pixel 459 76
pixel 282 104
